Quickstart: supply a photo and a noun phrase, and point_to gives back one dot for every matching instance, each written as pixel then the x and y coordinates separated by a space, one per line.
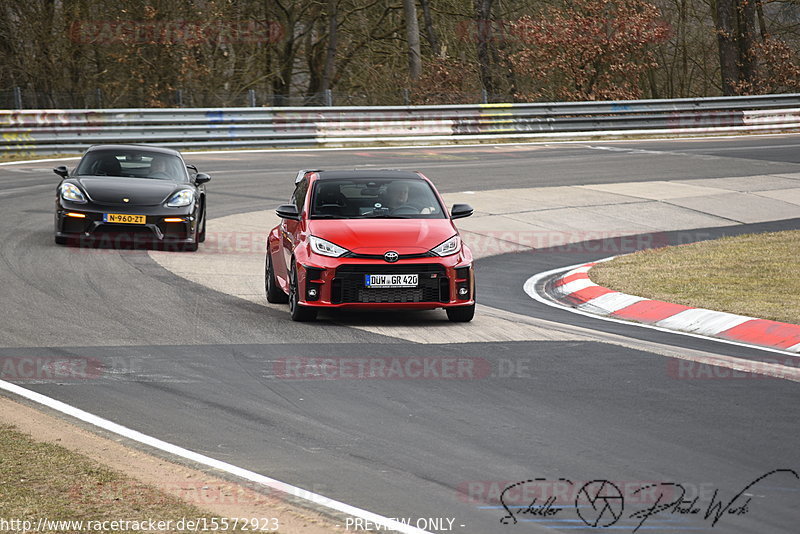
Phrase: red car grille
pixel 348 285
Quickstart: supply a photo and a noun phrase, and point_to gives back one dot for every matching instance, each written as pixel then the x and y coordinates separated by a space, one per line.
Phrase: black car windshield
pixel 132 164
pixel 358 198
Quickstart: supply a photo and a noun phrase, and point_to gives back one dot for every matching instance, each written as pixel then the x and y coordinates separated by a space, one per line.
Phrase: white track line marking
pixel 271 483
pixel 729 362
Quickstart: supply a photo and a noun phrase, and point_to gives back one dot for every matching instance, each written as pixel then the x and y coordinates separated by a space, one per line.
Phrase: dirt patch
pixel 213 495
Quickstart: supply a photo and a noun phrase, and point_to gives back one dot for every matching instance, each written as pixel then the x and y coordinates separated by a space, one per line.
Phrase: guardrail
pixel 71 131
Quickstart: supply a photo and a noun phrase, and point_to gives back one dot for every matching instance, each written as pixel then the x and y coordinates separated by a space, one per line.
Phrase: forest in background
pixel 209 53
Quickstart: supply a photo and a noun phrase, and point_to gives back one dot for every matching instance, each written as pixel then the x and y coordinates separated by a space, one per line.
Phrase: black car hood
pixel 138 191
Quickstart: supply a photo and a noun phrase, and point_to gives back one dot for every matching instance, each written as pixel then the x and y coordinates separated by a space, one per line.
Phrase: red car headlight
pixel 449 247
pixel 326 248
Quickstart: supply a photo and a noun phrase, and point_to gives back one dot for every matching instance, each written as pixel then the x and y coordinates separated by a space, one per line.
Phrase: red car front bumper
pixel 340 283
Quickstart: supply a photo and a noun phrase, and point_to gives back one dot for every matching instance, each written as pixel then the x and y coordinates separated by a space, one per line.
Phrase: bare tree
pixel 430 32
pixel 483 15
pixel 746 23
pixel 726 38
pixel 412 34
pixel 330 57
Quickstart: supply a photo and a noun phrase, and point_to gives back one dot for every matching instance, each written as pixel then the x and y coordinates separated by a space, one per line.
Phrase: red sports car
pixel 369 239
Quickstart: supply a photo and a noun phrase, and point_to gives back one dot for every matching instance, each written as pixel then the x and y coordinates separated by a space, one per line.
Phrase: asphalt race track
pixel 201 369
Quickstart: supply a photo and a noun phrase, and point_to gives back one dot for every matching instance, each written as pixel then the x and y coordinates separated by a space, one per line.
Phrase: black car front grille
pixel 124 230
pixel 348 285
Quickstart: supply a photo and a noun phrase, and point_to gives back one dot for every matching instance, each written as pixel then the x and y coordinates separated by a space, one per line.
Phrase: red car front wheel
pixel 299 312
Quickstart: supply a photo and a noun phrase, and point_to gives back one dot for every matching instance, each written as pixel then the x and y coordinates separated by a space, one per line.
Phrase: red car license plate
pixel 391 280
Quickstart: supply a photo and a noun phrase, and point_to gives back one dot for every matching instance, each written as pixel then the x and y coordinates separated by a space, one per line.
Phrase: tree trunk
pixel 412 33
pixel 483 14
pixel 281 85
pixel 330 57
pixel 762 24
pixel 430 32
pixel 726 39
pixel 746 15
pixel 684 83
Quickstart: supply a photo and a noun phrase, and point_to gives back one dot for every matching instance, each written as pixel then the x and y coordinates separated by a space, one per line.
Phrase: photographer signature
pixel 600 503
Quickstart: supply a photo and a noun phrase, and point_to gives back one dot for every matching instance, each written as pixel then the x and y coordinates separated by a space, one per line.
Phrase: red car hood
pixel 377 236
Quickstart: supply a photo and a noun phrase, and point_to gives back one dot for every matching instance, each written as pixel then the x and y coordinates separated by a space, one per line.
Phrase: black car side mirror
pixel 288 211
pixel 201 178
pixel 460 211
pixel 61 170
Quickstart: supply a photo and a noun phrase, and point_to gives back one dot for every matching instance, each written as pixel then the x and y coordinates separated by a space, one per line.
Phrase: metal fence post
pixel 179 98
pixel 327 98
pixel 98 95
pixel 251 97
pixel 406 98
pixel 17 97
pixel 484 96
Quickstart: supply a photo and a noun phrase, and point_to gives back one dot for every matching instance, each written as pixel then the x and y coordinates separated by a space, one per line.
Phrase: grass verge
pixel 41 480
pixel 756 275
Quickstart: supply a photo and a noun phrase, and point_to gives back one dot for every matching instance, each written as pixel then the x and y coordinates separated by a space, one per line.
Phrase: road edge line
pixel 175 450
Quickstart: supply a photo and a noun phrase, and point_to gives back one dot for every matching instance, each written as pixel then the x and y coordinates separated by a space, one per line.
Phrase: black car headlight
pixel 72 193
pixel 182 198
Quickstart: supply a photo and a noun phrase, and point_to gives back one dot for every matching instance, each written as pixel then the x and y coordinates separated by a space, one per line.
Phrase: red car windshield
pixel 373 198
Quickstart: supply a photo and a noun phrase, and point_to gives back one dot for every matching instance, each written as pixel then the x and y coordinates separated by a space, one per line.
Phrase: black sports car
pixel 137 191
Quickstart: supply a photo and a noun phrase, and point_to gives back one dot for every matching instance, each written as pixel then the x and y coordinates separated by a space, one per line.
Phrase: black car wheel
pixel 61 240
pixel 462 314
pixel 299 313
pixel 275 294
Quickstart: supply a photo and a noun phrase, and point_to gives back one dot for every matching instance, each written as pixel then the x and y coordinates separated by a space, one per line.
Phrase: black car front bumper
pixel 175 226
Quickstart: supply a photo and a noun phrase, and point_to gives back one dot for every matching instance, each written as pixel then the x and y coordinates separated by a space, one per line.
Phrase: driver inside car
pixel 396 195
pixel 158 168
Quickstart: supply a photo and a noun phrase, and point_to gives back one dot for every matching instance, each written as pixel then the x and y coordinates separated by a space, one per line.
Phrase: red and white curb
pixel 575 289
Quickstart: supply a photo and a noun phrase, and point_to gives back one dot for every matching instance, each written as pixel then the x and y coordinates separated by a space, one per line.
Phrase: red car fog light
pixel 462 283
pixel 313 283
